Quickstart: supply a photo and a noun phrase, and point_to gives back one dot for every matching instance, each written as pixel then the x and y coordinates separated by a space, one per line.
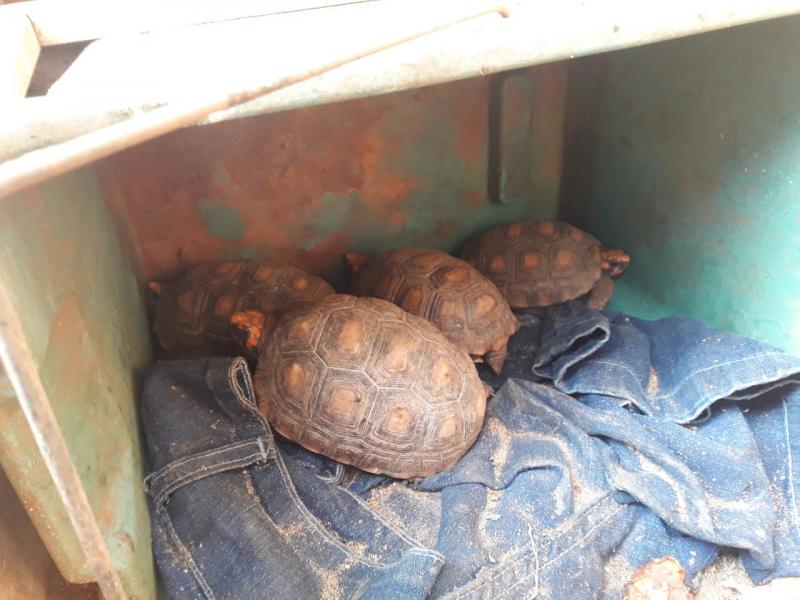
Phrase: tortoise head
pixel 154 292
pixel 250 327
pixel 355 264
pixel 614 262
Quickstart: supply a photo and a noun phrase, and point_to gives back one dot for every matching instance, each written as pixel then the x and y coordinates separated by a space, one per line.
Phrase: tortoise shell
pixel 538 263
pixel 365 383
pixel 448 292
pixel 193 314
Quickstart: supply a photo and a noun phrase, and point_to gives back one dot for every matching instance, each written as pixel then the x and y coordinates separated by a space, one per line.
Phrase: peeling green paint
pixel 221 220
pixel 698 147
pixel 447 200
pixel 84 321
pixel 334 213
pixel 222 178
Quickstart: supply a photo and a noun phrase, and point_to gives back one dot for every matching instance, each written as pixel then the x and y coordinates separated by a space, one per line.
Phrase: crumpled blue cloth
pixel 675 370
pixel 672 368
pixel 561 495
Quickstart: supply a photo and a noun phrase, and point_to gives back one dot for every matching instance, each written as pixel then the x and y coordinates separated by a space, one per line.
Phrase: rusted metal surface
pixel 38 165
pixel 84 324
pixel 535 34
pixel 27 572
pixel 661 578
pixel 406 169
pixel 22 371
pixel 511 137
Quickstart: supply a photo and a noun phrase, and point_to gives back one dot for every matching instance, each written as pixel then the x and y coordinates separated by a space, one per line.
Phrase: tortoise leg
pixel 601 293
pixel 496 358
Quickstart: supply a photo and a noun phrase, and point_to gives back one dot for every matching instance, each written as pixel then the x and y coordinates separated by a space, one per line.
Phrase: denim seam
pixel 696 407
pixel 769 386
pixel 603 325
pixel 306 514
pixel 321 529
pixel 166 469
pixel 204 472
pixel 534 576
pixel 551 343
pixel 187 556
pixel 190 457
pixel 582 539
pixel 463 593
pixel 672 393
pixel 310 518
pixel 172 468
pixel 336 477
pixel 506 593
pixel 512 562
pixel 416 546
pixel 790 464
pixel 247 399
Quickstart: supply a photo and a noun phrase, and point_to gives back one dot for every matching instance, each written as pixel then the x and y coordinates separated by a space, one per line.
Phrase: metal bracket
pixel 510 137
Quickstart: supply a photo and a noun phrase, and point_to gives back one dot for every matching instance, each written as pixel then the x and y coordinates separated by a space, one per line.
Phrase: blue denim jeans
pixel 678 370
pixel 233 519
pixel 561 495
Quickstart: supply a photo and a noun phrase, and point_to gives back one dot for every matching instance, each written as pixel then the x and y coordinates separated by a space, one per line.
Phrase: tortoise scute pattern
pixel 363 382
pixel 195 311
pixel 461 302
pixel 536 264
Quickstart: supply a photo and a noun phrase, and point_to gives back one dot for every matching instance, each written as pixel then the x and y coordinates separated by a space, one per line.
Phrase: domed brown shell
pixel 194 313
pixel 448 292
pixel 537 263
pixel 365 383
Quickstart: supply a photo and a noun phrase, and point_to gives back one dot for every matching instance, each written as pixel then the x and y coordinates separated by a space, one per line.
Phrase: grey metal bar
pixel 35 166
pixel 537 33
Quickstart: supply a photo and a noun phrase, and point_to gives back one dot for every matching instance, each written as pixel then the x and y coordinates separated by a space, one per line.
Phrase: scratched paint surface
pixel 697 176
pixel 84 322
pixel 305 186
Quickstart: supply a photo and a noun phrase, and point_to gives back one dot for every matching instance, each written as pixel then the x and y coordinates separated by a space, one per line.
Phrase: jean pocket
pixel 238 524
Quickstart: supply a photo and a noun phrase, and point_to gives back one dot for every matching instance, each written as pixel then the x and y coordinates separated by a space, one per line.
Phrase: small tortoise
pixel 365 383
pixel 193 314
pixel 448 292
pixel 541 263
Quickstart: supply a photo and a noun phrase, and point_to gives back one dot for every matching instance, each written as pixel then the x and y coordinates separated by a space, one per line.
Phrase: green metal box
pixel 685 153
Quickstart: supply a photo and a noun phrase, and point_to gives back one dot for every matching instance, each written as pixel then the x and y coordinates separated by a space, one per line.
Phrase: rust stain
pixel 398 218
pixel 445 229
pixel 307 185
pixel 549 98
pixel 272 170
pixel 660 578
pixel 475 199
pixel 472 124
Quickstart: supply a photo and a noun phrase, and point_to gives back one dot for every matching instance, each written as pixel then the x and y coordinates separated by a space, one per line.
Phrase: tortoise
pixel 541 263
pixel 363 382
pixel 192 315
pixel 448 292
